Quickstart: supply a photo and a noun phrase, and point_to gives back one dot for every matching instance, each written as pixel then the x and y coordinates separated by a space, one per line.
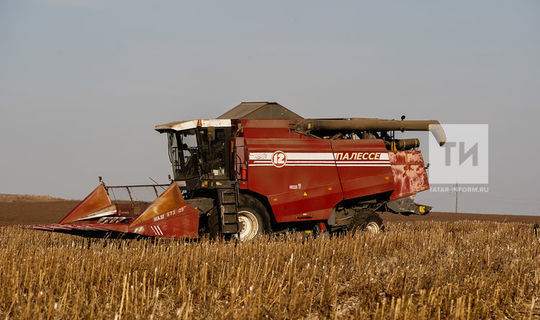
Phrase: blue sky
pixel 82 83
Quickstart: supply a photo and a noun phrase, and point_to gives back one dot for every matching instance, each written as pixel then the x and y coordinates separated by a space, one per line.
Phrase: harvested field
pixel 424 270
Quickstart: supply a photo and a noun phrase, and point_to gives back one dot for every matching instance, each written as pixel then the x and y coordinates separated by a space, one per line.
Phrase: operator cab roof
pixel 245 110
pixel 192 124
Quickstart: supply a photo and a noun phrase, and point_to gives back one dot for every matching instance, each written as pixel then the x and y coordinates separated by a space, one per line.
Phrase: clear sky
pixel 82 82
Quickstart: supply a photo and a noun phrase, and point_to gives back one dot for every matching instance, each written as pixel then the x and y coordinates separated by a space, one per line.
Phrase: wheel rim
pixel 373 227
pixel 248 225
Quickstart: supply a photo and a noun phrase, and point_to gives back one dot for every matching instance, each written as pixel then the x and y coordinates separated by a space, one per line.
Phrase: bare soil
pixel 35 212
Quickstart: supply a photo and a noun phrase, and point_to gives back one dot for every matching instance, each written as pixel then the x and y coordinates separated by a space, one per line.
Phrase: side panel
pixel 298 175
pixel 410 175
pixel 364 167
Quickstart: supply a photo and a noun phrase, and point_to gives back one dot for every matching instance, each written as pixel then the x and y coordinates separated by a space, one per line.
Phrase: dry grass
pixel 426 270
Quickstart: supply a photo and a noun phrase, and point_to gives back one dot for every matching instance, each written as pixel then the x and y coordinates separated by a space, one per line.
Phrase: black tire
pixel 367 221
pixel 253 218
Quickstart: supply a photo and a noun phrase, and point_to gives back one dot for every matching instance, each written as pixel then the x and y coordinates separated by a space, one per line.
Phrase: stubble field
pixel 421 270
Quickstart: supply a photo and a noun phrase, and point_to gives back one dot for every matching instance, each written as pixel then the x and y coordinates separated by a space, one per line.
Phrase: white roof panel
pixel 191 124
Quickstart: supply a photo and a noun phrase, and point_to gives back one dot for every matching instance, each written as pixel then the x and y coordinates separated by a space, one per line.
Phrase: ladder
pixel 228 209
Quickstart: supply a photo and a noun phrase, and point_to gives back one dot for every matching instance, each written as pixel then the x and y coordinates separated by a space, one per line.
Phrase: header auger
pixel 261 168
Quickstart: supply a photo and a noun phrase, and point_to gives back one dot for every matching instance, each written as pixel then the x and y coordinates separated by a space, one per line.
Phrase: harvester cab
pixel 261 168
pixel 199 151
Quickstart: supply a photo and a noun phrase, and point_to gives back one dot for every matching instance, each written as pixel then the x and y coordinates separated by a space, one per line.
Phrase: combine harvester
pixel 261 168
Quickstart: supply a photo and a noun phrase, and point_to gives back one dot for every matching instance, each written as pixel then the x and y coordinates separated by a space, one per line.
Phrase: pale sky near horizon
pixel 83 82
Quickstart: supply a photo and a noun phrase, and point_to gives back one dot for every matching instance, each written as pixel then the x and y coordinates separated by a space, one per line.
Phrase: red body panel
pixel 305 187
pixel 364 167
pixel 304 177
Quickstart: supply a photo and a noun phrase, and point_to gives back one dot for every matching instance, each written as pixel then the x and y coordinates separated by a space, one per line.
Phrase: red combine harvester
pixel 261 168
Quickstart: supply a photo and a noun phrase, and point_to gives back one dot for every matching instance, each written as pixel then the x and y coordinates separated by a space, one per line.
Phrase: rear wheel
pixel 367 221
pixel 253 218
pixel 374 225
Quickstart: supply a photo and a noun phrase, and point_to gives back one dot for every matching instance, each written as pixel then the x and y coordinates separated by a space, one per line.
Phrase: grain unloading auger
pixel 261 168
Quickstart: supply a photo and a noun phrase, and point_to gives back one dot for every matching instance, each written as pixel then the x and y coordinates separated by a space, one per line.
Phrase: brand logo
pixel 279 159
pixel 359 156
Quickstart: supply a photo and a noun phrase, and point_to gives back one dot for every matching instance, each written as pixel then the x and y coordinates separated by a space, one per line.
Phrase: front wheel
pixel 252 218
